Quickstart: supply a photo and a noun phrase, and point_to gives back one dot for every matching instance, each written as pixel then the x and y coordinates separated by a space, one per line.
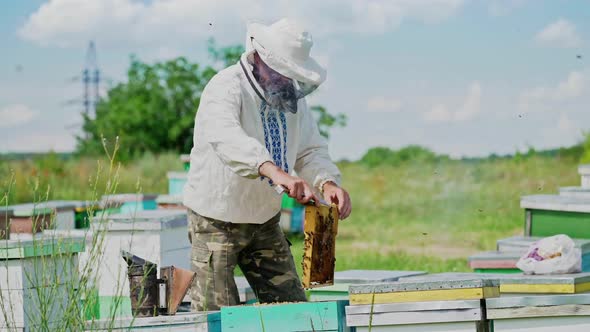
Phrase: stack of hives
pixel 416 304
pixel 292 215
pixel 545 215
pixel 176 182
pixel 530 303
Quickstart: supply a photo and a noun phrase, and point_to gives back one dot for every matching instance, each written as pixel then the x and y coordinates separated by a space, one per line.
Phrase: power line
pixel 91 81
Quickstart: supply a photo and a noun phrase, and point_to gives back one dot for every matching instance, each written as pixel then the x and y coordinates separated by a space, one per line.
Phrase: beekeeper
pixel 253 132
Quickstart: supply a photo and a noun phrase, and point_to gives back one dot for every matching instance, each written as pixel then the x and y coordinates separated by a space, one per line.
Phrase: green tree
pixel 585 159
pixel 326 120
pixel 411 153
pixel 154 110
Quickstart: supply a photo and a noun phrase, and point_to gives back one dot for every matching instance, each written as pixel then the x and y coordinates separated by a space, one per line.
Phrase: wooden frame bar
pixel 319 260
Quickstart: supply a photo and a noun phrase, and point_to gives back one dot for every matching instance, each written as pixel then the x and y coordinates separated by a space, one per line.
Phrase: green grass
pixel 422 216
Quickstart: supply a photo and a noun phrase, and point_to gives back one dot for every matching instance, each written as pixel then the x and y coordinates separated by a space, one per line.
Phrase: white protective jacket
pixel 233 137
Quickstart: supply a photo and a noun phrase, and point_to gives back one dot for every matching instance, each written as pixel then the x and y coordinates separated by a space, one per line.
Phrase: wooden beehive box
pixel 320 229
pixel 286 317
pixel 548 215
pixel 29 219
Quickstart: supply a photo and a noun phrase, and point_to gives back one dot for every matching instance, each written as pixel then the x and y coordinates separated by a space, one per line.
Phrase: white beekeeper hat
pixel 285 46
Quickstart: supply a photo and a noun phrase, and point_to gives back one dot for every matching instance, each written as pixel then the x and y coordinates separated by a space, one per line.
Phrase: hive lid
pixel 30 209
pixel 129 197
pixel 537 300
pixel 59 205
pixel 409 285
pixel 143 220
pixel 510 278
pixel 558 279
pixel 521 244
pixel 177 175
pixel 40 246
pixel 584 169
pixel 494 256
pixel 340 287
pixel 574 190
pixel 169 199
pixel 555 203
pixel 372 276
pixel 180 320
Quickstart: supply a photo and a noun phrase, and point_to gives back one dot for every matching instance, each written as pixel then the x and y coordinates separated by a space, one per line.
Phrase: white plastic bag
pixel 552 255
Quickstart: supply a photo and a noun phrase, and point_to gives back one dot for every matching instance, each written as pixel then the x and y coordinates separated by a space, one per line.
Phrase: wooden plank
pixel 414 317
pixel 372 276
pixel 537 300
pixel 545 288
pixel 413 306
pixel 428 282
pixel 555 203
pixel 520 244
pixel 440 327
pixel 40 246
pixel 576 192
pixel 320 229
pixel 540 311
pixel 201 322
pixel 329 293
pixel 421 296
pixel 286 317
pixel 493 264
pixel 549 324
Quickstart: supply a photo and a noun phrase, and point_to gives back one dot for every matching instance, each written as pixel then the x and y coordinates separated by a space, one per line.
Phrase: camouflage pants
pixel 261 251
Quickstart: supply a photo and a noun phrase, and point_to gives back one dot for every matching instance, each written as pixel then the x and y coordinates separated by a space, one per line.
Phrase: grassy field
pixel 415 217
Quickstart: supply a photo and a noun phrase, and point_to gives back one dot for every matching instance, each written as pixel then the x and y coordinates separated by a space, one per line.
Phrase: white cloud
pixel 561 33
pixel 384 104
pixel 39 142
pixel 439 113
pixel 470 107
pixel 162 23
pixel 539 98
pixel 17 114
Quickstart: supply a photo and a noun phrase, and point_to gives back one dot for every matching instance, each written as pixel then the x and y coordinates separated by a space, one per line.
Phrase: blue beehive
pixel 286 317
pixel 176 182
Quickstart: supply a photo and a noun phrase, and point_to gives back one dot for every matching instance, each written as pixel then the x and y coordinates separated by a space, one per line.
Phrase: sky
pixel 464 78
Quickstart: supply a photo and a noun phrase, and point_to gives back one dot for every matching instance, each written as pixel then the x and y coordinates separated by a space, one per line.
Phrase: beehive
pixel 440 316
pixel 159 236
pixel 176 182
pixel 128 203
pixel 521 283
pixel 547 215
pixel 30 219
pixel 547 313
pixel 170 202
pixel 286 317
pixel 37 279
